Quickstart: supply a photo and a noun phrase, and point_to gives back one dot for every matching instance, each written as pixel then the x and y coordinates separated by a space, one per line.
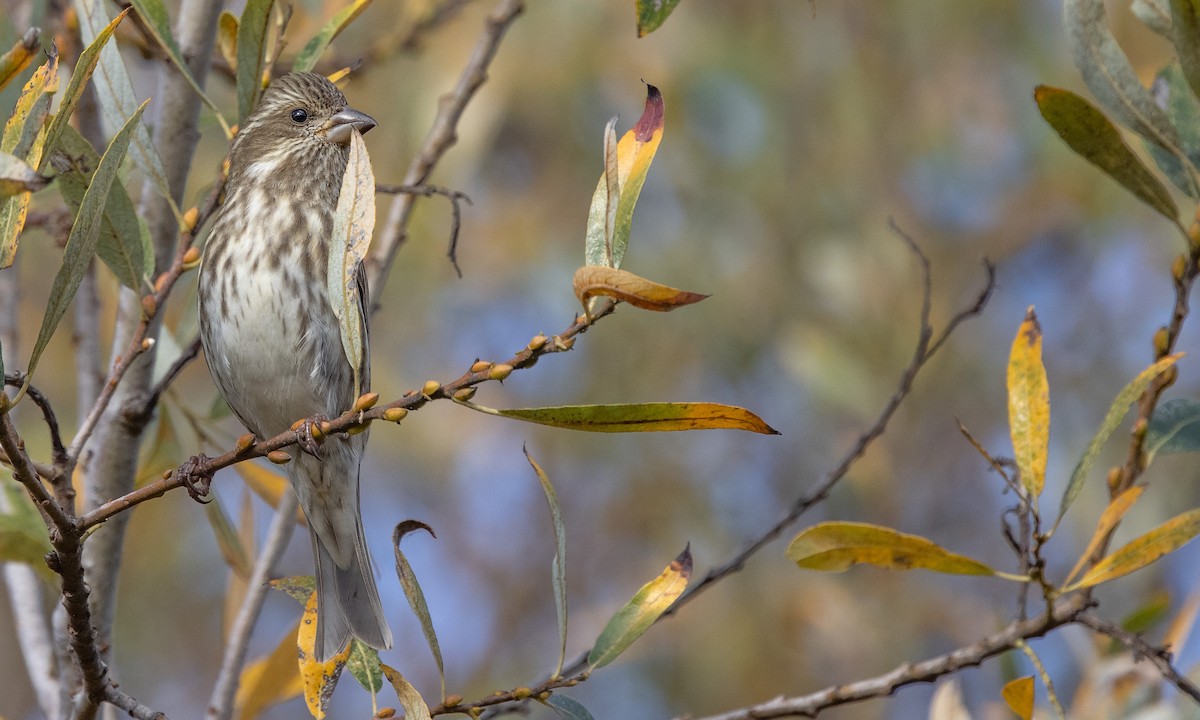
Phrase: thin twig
pixel 1158 656
pixel 190 353
pixel 456 197
pixel 130 705
pixel 39 398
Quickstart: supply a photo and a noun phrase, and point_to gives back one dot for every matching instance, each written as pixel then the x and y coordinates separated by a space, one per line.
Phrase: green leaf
pixel 1162 540
pixel 353 224
pixel 1174 428
pixel 558 567
pixel 23 536
pixel 364 665
pixel 124 244
pixel 1148 615
pixel 414 705
pixel 414 594
pixel 646 606
pixel 297 587
pixel 17 177
pixel 1185 32
pixel 307 59
pixel 251 46
pixel 836 546
pixel 84 68
pixel 1116 412
pixel 566 708
pixel 1093 136
pixel 1029 405
pixel 640 417
pixel 652 14
pixel 81 244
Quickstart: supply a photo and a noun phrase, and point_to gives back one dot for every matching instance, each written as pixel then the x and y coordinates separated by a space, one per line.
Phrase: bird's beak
pixel 337 128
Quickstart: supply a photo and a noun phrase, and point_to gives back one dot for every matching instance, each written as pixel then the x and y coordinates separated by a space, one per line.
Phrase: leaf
pixel 411 700
pixel 23 536
pixel 364 666
pixel 17 177
pixel 1029 405
pixel 414 594
pixel 566 708
pixel 227 32
pixel 20 139
pixel 1146 616
pixel 19 56
pixel 1185 31
pixel 1109 519
pixel 1155 15
pixel 835 546
pixel 267 484
pixel 235 590
pixel 640 417
pixel 353 224
pixel 251 47
pixel 646 606
pixel 634 153
pixel 1174 428
pixel 652 14
pixel 947 702
pixel 1018 694
pixel 114 91
pixel 319 678
pixel 228 540
pixel 1162 540
pixel 307 59
pixel 269 680
pixel 1175 97
pixel 81 244
pixel 298 587
pixel 593 280
pixel 558 567
pixel 1093 136
pixel 122 245
pixel 1111 78
pixel 1116 412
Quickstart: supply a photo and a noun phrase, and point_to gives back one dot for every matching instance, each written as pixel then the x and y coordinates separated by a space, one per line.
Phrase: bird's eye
pixel 299 115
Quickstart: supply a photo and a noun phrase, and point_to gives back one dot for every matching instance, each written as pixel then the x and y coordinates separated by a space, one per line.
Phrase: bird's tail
pixel 347 601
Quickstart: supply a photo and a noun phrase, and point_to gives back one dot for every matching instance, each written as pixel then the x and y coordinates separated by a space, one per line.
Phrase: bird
pixel 271 338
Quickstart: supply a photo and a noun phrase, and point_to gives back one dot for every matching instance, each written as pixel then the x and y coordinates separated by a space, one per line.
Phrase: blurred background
pixel 794 133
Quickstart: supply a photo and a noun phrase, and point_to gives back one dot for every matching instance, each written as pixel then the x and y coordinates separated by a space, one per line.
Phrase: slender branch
pixel 442 136
pixel 1067 612
pixel 220 706
pixel 39 398
pixel 456 198
pixel 1160 657
pixel 190 353
pixel 130 705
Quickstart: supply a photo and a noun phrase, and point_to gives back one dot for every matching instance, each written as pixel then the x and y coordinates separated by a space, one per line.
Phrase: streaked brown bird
pixel 271 338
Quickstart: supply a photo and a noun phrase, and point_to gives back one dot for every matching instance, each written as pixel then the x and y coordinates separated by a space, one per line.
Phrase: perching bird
pixel 270 336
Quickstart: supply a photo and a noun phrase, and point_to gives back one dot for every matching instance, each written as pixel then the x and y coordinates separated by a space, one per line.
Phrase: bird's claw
pixel 197 480
pixel 305 438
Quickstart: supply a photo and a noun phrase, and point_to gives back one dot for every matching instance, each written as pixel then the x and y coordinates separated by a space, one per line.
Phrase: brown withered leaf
pixel 594 280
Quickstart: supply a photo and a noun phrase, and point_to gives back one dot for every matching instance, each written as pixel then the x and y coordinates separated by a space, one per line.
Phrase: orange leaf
pixel 593 280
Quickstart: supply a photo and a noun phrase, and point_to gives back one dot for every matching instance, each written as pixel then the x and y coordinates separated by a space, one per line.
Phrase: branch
pixel 1160 657
pixel 456 198
pixel 1070 611
pixel 39 399
pixel 442 136
pixel 133 707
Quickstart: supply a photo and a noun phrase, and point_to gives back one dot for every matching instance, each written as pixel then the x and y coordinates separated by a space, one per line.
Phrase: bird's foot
pixel 197 480
pixel 309 440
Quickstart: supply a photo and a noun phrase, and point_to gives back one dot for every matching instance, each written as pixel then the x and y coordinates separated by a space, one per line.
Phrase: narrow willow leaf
pixel 1029 405
pixel 1185 32
pixel 269 680
pixel 1175 97
pixel 646 606
pixel 17 177
pixel 298 587
pixel 593 280
pixel 319 678
pixel 651 14
pixel 81 244
pixel 1162 540
pixel 1018 695
pixel 267 484
pixel 1116 412
pixel 1093 136
pixel 114 90
pixel 947 702
pixel 634 153
pixel 1111 78
pixel 353 224
pixel 835 546
pixel 414 705
pixel 121 245
pixel 84 68
pixel 311 53
pixel 566 708
pixel 251 49
pixel 364 666
pixel 228 540
pixel 20 138
pixel 1154 14
pixel 641 417
pixel 558 567
pixel 1149 614
pixel 1109 519
pixel 1174 428
pixel 227 31
pixel 414 594
pixel 612 190
pixel 19 56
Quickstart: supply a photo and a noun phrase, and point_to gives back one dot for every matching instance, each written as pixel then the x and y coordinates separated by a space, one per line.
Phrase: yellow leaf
pixel 23 135
pixel 18 57
pixel 637 615
pixel 227 30
pixel 640 417
pixel 320 678
pixel 835 546
pixel 414 705
pixel 266 484
pixel 1108 520
pixel 1164 539
pixel 593 280
pixel 1019 696
pixel 269 680
pixel 1029 405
